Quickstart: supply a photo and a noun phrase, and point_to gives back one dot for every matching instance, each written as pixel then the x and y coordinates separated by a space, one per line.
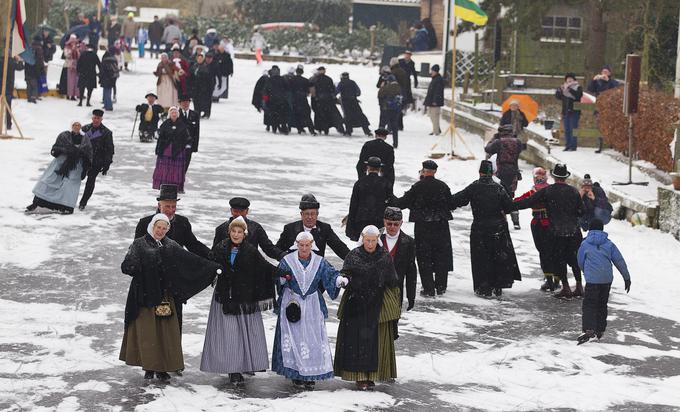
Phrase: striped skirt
pixel 387 359
pixel 234 343
pixel 170 170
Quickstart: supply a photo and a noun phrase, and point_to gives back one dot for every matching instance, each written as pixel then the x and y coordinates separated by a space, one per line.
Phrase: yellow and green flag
pixel 469 10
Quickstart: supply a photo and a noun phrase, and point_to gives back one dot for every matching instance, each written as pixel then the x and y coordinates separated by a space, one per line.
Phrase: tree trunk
pixel 597 38
pixel 646 41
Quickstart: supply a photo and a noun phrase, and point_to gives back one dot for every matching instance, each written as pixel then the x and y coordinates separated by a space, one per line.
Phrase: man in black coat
pixel 258 98
pixel 256 235
pixel 326 114
pixel 322 232
pixel 381 149
pixel 370 196
pixel 193 121
pixel 494 264
pixel 564 206
pixel 409 66
pixel 507 148
pixel 180 228
pixel 429 201
pixel 101 139
pixel 302 113
pixel 155 35
pixel 88 65
pixel 275 92
pixel 434 99
pixel 149 115
pixel 402 248
pixel 349 98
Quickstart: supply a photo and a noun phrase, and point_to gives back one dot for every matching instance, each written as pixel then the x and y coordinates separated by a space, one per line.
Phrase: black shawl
pixel 247 286
pixel 370 274
pixel 76 147
pixel 172 133
pixel 156 270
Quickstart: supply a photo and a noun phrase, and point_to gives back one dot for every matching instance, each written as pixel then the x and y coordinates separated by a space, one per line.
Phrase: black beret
pixel 240 203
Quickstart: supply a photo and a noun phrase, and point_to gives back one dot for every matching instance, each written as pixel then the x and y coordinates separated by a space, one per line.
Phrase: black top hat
pixel 393 213
pixel 98 112
pixel 240 203
pixel 168 192
pixel 374 161
pixel 430 165
pixel 486 167
pixel 560 171
pixel 308 201
pixel 150 94
pixel 381 132
pixel 184 98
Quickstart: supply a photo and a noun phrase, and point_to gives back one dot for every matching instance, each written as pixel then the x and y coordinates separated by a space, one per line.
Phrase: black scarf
pixel 76 147
pixel 247 286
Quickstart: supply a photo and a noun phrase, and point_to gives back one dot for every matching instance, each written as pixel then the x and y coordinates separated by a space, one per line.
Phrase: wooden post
pixel 452 123
pixel 5 67
pixel 475 82
pixel 99 14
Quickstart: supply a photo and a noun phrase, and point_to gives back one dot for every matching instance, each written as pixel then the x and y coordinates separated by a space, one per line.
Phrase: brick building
pixel 435 10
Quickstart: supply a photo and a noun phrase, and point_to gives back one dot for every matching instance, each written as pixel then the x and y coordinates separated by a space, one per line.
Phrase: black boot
pixel 585 337
pixel 148 374
pixel 236 378
pixel 164 376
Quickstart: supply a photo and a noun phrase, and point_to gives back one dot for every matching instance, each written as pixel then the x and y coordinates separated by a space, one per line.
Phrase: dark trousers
pixel 542 240
pixel 82 93
pixel 564 249
pixel 155 48
pixel 392 117
pixel 433 254
pixel 188 160
pixel 570 123
pixel 595 300
pixel 32 89
pixel 89 186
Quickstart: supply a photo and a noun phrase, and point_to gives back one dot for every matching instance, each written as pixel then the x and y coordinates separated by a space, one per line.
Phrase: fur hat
pixel 308 201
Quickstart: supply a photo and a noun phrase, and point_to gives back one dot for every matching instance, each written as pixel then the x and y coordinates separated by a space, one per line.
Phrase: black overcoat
pixel 87 66
pixel 405 264
pixel 152 125
pixel 370 196
pixel 323 235
pixel 326 114
pixel 193 121
pixel 349 99
pixel 102 146
pixel 383 150
pixel 564 205
pixel 172 133
pixel 299 90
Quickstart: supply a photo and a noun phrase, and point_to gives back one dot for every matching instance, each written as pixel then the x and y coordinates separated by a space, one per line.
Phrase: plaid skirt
pixel 170 170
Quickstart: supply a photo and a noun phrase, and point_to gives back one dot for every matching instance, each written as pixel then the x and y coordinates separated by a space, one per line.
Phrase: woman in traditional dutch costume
pixel 301 349
pixel 368 312
pixel 161 271
pixel 234 339
pixel 173 142
pixel 58 187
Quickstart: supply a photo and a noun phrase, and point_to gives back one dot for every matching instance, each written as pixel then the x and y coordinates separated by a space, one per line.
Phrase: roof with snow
pixel 403 3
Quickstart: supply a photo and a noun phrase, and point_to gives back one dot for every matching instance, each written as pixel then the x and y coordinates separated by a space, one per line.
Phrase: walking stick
pixel 133 126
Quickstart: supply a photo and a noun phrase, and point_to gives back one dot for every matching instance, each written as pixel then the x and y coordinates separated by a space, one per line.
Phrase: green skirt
pixel 387 361
pixel 153 342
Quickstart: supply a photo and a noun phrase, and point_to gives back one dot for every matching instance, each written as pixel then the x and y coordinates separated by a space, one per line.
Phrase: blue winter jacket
pixel 596 255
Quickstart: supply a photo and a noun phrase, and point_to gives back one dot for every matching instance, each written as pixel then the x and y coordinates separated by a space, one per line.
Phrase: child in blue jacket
pixel 595 257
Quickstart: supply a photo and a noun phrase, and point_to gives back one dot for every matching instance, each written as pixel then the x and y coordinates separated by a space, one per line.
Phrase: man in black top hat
pixel 428 200
pixel 370 196
pixel 180 228
pixel 381 149
pixel 256 236
pixel 150 113
pixel 193 121
pixel 494 264
pixel 322 232
pixel 402 248
pixel 101 139
pixel 564 206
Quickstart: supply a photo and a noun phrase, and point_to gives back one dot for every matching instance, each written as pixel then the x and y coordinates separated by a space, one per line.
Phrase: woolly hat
pixel 239 222
pixel 587 181
pixel 435 68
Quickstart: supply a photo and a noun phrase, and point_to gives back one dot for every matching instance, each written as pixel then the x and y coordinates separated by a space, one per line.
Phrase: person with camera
pixel 569 93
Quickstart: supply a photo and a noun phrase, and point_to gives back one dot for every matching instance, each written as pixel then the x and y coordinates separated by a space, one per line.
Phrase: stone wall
pixel 669 211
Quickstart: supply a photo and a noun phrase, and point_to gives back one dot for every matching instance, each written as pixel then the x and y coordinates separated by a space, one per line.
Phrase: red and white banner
pixel 19 44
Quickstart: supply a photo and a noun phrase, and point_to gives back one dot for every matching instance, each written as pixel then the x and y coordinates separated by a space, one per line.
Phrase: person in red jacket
pixel 540 228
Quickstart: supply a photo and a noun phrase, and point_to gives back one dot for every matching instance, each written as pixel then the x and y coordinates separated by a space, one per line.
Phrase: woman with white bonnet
pixel 162 273
pixel 58 187
pixel 234 339
pixel 301 349
pixel 368 312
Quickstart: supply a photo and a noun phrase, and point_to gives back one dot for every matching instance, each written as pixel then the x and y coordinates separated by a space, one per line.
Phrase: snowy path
pixel 62 293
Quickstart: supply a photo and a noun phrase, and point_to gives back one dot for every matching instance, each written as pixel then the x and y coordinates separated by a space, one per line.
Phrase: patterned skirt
pixel 170 170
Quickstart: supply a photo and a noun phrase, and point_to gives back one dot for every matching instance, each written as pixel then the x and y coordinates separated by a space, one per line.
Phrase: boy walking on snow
pixel 595 257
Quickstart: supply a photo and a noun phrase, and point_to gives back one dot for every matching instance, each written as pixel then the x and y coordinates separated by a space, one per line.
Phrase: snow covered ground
pixel 62 294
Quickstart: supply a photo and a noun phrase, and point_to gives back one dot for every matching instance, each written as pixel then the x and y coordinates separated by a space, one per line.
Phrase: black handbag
pixel 293 312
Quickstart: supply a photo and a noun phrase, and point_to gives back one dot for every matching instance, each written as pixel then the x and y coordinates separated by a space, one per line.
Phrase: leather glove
pixel 627 286
pixel 411 303
pixel 105 171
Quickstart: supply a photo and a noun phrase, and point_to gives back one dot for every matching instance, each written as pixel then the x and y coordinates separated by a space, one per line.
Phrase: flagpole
pixel 5 68
pixel 452 124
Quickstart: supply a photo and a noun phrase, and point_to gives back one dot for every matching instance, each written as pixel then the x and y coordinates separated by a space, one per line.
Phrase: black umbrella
pixel 80 31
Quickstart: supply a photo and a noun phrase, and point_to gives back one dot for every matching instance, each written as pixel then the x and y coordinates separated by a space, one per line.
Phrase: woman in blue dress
pixel 301 349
